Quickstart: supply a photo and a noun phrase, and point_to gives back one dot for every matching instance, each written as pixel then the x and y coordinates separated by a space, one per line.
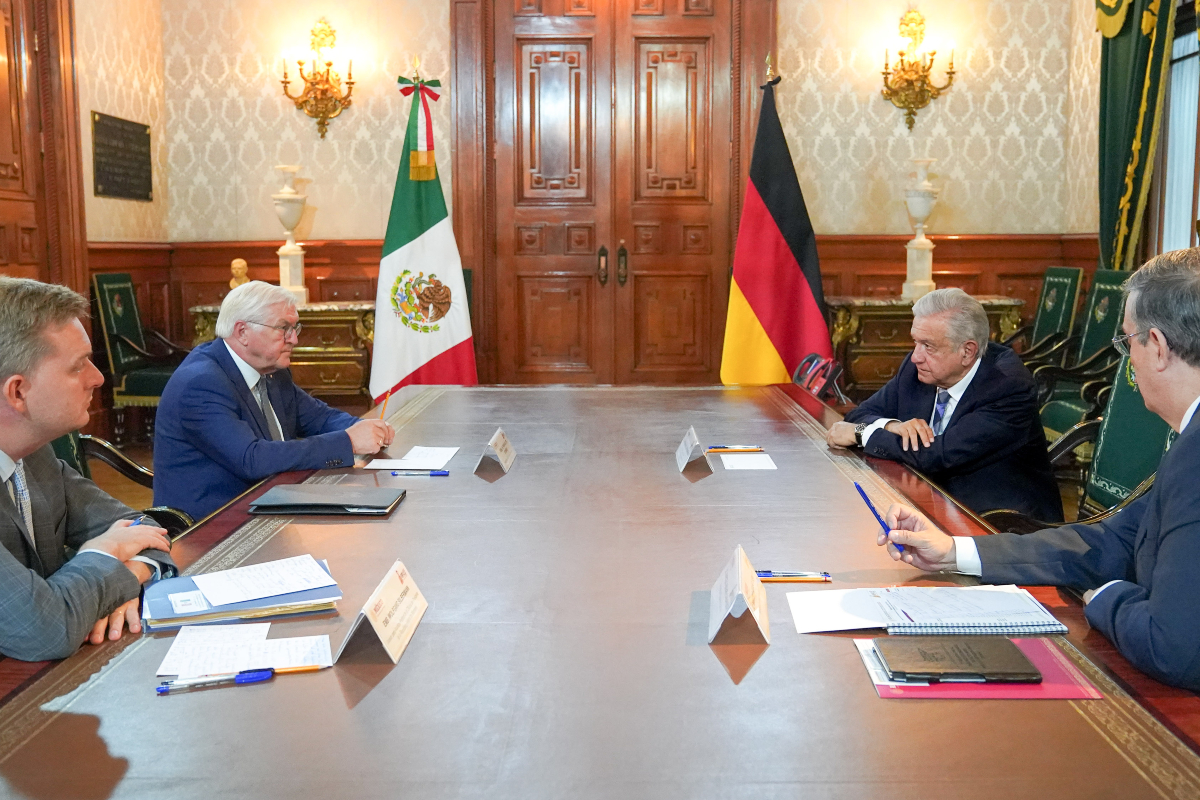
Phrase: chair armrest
pixel 1047 352
pixel 157 358
pixel 1020 333
pixel 1010 521
pixel 101 450
pixel 1093 392
pixel 172 348
pixel 1100 361
pixel 1084 432
pixel 174 520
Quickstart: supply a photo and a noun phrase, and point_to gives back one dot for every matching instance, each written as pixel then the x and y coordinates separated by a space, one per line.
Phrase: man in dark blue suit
pixel 1140 568
pixel 962 411
pixel 231 416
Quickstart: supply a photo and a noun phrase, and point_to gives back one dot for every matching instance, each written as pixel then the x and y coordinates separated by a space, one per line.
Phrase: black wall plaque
pixel 120 158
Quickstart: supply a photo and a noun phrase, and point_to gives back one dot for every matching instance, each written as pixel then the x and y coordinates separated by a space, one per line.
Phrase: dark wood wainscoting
pixel 170 278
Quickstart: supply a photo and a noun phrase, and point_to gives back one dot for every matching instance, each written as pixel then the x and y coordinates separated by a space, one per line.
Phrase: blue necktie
pixel 939 411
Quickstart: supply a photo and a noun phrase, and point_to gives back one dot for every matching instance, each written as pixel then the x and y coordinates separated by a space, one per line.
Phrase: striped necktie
pixel 21 496
pixel 939 411
pixel 264 402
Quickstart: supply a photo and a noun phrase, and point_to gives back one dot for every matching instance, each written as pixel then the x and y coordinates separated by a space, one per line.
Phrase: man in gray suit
pixel 1140 568
pixel 48 604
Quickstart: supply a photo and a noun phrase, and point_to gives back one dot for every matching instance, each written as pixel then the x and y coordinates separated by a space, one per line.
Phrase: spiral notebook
pixel 1003 610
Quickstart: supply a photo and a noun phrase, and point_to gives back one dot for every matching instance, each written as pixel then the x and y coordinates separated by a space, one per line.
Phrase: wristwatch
pixel 859 429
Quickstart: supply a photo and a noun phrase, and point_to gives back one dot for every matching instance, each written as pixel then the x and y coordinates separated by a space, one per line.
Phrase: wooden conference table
pixel 564 650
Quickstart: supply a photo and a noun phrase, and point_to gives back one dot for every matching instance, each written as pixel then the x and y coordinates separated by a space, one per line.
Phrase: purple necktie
pixel 939 411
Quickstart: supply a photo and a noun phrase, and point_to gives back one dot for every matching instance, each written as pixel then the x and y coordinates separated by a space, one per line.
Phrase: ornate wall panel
pixel 554 326
pixel 554 124
pixel 119 69
pixel 669 321
pixel 229 124
pixel 1000 135
pixel 672 107
pixel 1083 111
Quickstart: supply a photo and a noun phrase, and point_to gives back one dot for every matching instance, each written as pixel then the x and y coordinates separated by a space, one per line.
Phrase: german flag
pixel 776 306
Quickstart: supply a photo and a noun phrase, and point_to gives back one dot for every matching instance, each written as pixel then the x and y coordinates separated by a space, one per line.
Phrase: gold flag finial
pixel 770 69
pixel 416 68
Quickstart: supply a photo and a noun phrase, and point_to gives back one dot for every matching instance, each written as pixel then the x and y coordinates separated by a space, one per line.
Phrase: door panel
pixel 22 251
pixel 612 130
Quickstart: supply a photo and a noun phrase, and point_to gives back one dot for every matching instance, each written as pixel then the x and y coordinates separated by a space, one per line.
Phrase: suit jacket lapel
pixel 220 354
pixel 14 513
pixel 974 389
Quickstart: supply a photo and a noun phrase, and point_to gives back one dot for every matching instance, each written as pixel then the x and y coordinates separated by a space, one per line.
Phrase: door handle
pixel 602 265
pixel 622 264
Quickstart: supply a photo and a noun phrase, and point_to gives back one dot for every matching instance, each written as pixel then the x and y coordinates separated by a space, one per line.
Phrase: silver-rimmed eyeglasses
pixel 1122 342
pixel 285 329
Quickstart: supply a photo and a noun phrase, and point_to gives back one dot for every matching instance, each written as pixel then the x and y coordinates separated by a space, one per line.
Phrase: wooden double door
pixel 613 128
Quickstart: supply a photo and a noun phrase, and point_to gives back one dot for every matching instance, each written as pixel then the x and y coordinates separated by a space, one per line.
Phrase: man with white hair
pixel 1139 569
pixel 231 415
pixel 962 411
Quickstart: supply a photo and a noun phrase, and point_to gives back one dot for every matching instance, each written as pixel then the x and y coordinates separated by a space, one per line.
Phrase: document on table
pixel 288 575
pixel 417 458
pixel 912 609
pixel 229 650
pixel 747 461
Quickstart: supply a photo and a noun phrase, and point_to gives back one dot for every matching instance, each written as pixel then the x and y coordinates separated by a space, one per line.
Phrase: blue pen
pixel 237 678
pixel 433 473
pixel 886 530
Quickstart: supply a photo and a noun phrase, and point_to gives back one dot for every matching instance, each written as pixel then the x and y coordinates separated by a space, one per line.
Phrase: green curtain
pixel 1134 59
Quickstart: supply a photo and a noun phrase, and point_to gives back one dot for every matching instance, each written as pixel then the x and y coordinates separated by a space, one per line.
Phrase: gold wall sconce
pixel 323 97
pixel 910 85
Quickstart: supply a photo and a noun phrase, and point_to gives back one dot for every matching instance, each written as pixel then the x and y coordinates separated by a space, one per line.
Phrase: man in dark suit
pixel 231 415
pixel 50 603
pixel 1140 568
pixel 962 411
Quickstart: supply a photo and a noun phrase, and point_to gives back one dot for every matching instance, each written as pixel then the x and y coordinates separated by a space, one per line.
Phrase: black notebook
pixel 303 498
pixel 955 659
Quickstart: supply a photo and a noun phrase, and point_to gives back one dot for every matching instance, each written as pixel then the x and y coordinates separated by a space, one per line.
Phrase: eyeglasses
pixel 285 329
pixel 1122 342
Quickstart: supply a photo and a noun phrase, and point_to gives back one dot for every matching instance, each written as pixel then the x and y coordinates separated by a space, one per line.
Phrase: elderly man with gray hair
pixel 1139 569
pixel 962 411
pixel 231 415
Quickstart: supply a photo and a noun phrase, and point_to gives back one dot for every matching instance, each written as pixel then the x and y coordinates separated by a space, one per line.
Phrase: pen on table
pixel 733 448
pixel 769 576
pixel 886 530
pixel 432 473
pixel 242 678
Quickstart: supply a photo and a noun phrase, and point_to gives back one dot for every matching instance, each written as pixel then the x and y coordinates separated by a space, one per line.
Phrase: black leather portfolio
pixel 978 659
pixel 325 499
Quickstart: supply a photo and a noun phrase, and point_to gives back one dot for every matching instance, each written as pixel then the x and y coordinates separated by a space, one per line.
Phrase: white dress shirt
pixel 956 392
pixel 966 554
pixel 252 377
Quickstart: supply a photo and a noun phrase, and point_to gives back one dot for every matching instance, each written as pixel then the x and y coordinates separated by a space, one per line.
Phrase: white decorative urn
pixel 920 199
pixel 289 206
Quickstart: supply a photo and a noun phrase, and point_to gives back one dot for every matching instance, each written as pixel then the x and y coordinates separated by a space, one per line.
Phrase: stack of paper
pixel 289 586
pixel 225 649
pixel 418 458
pixel 1006 610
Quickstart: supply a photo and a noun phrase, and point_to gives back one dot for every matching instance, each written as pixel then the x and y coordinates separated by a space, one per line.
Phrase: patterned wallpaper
pixel 230 124
pixel 1015 137
pixel 1083 114
pixel 119 67
pixel 1000 134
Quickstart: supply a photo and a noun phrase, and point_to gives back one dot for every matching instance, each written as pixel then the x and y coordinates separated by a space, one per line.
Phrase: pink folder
pixel 1061 680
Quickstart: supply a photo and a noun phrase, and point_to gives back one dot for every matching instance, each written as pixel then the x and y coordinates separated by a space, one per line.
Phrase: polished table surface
pixel 564 650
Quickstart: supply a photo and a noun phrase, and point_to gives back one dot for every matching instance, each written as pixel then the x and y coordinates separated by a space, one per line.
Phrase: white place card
pixel 394 609
pixel 689 450
pixel 737 612
pixel 500 450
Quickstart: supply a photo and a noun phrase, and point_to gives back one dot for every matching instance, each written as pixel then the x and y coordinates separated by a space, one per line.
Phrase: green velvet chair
pixel 138 375
pixel 76 448
pixel 1055 315
pixel 1095 358
pixel 1129 441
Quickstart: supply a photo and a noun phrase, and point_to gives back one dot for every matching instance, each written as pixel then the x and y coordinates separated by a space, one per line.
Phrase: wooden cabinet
pixel 333 354
pixel 871 335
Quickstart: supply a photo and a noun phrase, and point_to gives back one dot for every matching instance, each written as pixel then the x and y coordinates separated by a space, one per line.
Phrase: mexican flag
pixel 422 323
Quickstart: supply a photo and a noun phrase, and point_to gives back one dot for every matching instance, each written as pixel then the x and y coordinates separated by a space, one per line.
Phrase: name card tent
pixel 689 452
pixel 394 609
pixel 737 612
pixel 498 451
